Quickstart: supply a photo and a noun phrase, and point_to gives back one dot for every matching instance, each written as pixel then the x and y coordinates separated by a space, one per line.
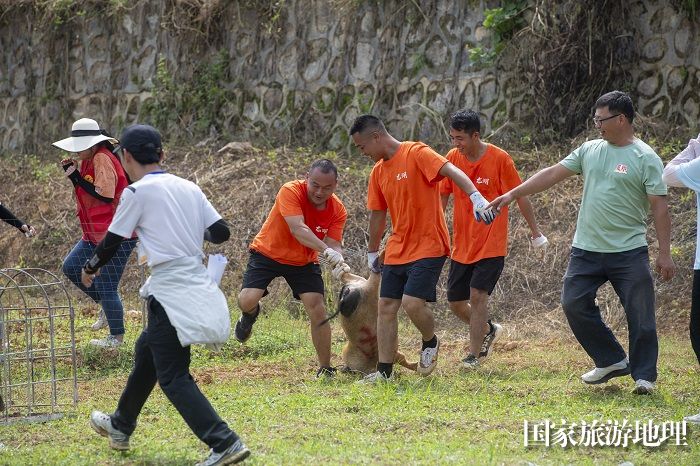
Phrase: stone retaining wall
pixel 301 73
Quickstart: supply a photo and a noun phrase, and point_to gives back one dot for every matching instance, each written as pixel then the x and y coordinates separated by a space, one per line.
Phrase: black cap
pixel 143 142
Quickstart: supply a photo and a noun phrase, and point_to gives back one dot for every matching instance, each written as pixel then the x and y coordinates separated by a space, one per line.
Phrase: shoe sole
pixel 237 458
pixel 99 345
pixel 610 375
pixel 642 391
pixel 497 336
pixel 469 367
pixel 374 382
pixel 426 371
pixel 121 446
pixel 242 340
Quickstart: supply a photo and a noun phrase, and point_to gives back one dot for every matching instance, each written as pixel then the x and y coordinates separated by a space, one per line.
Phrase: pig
pixel 357 306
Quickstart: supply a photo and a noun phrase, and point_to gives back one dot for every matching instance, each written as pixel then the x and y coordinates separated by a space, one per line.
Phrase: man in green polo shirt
pixel 621 181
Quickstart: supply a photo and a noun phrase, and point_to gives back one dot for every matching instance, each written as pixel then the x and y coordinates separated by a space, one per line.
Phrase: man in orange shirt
pixel 405 181
pixel 307 218
pixel 479 251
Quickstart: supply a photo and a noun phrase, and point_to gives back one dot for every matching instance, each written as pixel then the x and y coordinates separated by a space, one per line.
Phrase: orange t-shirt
pixel 493 174
pixel 408 185
pixel 276 241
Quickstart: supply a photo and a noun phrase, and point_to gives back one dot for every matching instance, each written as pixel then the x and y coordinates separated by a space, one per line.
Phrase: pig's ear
pixel 349 300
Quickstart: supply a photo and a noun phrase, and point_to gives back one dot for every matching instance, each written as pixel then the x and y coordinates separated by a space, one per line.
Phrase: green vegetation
pixel 503 22
pixel 59 13
pixel 267 392
pixel 691 8
pixel 196 102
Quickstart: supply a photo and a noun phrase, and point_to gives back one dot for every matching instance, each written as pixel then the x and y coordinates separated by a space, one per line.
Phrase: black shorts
pixel 300 278
pixel 481 275
pixel 417 279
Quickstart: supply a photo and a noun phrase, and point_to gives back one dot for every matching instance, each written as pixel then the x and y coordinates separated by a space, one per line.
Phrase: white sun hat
pixel 85 133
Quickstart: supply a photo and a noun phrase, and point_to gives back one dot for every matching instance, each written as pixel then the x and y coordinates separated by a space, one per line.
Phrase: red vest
pixel 95 215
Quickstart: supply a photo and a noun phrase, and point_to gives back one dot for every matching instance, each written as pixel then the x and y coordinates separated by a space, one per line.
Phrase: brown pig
pixel 357 307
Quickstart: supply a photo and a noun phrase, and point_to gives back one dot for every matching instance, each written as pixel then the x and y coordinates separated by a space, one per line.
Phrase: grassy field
pixel 267 392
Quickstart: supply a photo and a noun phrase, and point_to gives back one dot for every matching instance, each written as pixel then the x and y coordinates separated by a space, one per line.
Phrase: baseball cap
pixel 143 142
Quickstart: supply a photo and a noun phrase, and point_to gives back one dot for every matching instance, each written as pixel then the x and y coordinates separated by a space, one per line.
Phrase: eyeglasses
pixel 597 120
pixel 119 151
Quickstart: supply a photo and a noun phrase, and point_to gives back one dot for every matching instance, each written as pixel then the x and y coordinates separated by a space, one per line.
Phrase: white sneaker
pixel 374 378
pixel 470 362
pixel 102 424
pixel 109 342
pixel 233 454
pixel 643 387
pixel 101 321
pixel 428 360
pixel 603 374
pixel 694 419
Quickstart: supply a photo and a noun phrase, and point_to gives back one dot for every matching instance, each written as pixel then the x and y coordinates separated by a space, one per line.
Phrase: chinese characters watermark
pixel 603 433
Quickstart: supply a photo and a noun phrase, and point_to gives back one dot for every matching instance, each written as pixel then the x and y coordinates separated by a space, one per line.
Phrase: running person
pixel 306 219
pixel 621 182
pixel 98 183
pixel 684 172
pixel 405 182
pixel 478 251
pixel 173 217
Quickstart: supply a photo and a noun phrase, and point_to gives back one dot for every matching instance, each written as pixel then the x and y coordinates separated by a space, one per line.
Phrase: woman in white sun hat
pixel 98 180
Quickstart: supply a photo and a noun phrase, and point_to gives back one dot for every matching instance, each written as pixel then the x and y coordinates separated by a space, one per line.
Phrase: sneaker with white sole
pixel 643 387
pixel 694 419
pixel 375 378
pixel 102 424
pixel 101 321
pixel 109 342
pixel 428 360
pixel 232 455
pixel 603 374
pixel 470 362
pixel 490 338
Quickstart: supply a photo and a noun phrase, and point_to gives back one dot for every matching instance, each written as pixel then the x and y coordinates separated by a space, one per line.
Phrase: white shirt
pixel 684 171
pixel 169 215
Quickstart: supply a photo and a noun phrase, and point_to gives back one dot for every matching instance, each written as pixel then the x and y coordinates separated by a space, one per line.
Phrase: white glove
pixel 481 213
pixel 332 256
pixel 28 230
pixel 340 270
pixel 371 257
pixel 540 242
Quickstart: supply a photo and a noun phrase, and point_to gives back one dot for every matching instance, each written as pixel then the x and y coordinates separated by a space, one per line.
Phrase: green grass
pixel 267 392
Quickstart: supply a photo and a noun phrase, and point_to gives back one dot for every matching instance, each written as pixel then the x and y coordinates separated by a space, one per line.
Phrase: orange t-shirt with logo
pixel 408 185
pixel 493 174
pixel 276 241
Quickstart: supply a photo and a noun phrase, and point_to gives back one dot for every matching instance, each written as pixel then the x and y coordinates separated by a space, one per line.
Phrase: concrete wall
pixel 299 74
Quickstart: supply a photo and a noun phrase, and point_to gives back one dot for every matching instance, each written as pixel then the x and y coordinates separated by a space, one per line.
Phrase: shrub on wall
pixel 568 54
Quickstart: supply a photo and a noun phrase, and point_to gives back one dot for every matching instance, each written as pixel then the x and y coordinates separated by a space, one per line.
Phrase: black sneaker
pixel 326 372
pixel 490 338
pixel 244 326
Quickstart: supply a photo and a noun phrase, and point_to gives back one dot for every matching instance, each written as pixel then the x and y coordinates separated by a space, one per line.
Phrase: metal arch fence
pixel 38 369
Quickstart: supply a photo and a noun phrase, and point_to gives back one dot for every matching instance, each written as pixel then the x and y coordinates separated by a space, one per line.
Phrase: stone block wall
pixel 299 74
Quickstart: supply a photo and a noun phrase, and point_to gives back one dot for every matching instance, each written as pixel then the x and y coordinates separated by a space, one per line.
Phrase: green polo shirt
pixel 616 183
